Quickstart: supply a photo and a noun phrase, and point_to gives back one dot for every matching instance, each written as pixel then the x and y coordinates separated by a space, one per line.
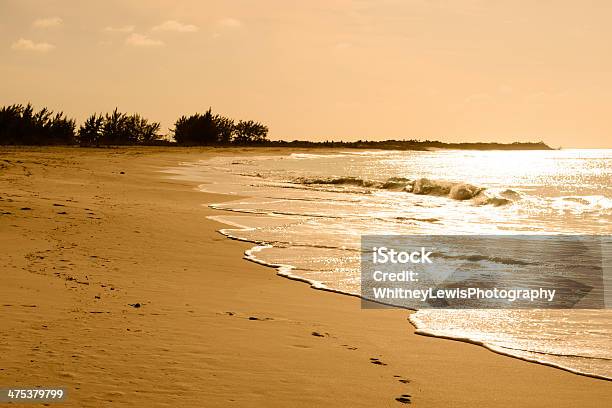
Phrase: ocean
pixel 305 214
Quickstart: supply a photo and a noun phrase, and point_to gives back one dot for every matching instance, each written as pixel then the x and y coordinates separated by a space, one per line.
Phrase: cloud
pixel 230 23
pixel 49 22
pixel 139 40
pixel 124 29
pixel 173 25
pixel 28 45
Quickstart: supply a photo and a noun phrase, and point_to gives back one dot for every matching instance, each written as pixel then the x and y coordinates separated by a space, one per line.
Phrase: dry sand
pixel 81 242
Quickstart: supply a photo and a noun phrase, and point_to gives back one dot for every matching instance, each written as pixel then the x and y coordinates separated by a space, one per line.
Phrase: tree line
pixel 22 125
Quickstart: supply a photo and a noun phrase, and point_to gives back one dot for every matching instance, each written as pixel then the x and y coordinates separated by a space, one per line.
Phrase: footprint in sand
pixel 404 399
pixel 248 318
pixel 376 361
pixel 259 318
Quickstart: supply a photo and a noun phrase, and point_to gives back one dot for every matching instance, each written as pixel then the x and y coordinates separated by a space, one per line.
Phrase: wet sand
pixel 116 285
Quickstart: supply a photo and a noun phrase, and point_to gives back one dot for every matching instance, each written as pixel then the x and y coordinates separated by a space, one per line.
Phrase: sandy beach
pixel 116 286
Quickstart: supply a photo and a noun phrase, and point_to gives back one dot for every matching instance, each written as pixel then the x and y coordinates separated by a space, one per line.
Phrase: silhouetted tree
pixel 123 129
pixel 249 132
pixel 113 129
pixel 148 132
pixel 22 125
pixel 225 129
pixel 140 130
pixel 197 129
pixel 91 130
pixel 209 129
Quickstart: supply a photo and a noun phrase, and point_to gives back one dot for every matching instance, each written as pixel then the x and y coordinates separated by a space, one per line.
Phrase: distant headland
pixel 414 145
pixel 22 125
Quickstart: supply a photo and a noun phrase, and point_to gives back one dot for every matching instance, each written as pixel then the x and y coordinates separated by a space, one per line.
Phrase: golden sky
pixel 452 70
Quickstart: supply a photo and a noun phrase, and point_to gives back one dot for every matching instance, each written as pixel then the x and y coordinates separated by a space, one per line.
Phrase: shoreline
pixel 284 271
pixel 187 336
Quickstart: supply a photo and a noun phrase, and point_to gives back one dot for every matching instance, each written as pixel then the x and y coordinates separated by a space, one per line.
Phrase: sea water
pixel 305 214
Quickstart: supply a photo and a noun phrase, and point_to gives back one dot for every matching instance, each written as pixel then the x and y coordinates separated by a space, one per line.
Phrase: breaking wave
pixel 421 186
